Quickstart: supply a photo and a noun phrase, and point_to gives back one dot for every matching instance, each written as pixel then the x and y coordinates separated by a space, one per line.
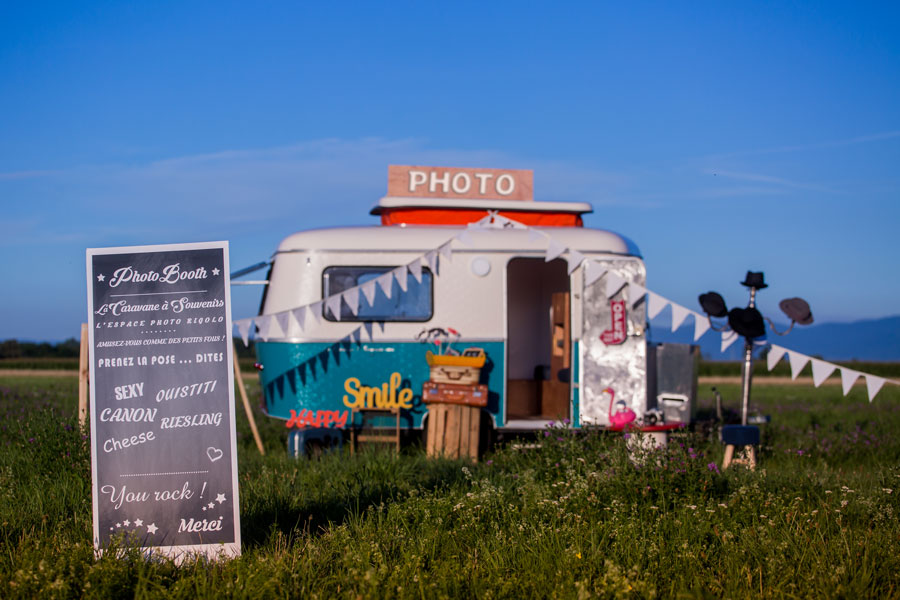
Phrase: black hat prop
pixel 754 280
pixel 747 322
pixel 713 304
pixel 797 310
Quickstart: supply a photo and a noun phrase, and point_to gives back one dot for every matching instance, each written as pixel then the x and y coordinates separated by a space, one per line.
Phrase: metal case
pixel 672 380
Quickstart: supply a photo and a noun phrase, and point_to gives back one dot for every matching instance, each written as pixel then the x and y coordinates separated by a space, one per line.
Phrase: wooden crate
pixel 453 431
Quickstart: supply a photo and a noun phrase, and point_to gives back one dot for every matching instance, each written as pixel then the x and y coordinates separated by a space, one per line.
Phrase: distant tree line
pixel 19 349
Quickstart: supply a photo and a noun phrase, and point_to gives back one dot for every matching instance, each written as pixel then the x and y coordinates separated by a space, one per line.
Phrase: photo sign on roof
pixel 162 399
pixel 452 182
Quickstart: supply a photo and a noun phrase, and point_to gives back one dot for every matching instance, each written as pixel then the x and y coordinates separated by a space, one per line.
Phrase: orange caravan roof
pixel 443 211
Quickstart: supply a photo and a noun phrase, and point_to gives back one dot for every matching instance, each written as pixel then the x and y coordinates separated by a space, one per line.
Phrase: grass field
pixel 577 517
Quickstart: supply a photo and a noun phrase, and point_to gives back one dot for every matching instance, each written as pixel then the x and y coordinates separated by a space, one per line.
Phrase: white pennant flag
pixel 333 303
pixel 368 327
pixel 315 309
pixel 873 384
pixel 701 325
pixel 655 304
pixel 728 338
pixel 574 258
pixel 400 274
pixel 776 353
pixel 798 361
pixel 821 370
pixel 535 236
pixel 386 282
pixel 636 293
pixel 593 271
pixel 679 313
pixel 415 267
pixel 299 315
pixel 283 319
pixel 274 327
pixel 351 297
pixel 554 250
pixel 446 251
pixel 465 237
pixel 264 323
pixel 368 289
pixel 431 259
pixel 243 326
pixel 614 283
pixel 848 378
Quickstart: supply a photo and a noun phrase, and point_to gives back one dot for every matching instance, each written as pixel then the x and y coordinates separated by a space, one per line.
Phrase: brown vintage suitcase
pixel 453 393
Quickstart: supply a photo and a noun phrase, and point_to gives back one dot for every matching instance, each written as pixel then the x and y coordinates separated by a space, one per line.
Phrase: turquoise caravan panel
pixel 324 376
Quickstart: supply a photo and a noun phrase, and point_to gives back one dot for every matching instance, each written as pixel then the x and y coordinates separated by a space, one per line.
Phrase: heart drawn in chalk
pixel 214 454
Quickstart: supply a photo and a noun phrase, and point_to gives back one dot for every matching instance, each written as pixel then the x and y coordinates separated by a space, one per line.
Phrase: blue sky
pixel 720 137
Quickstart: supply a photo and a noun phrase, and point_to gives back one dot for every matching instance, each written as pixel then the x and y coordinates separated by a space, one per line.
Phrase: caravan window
pixel 415 304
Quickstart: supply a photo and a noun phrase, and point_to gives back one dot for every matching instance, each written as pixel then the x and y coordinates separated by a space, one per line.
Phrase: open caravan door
pixel 613 344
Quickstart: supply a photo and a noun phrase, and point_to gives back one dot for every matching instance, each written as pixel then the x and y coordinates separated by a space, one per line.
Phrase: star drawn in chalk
pixel 151 528
pixel 112 528
pixel 100 277
pixel 211 505
pixel 118 525
pixel 126 522
pixel 220 498
pixel 215 271
pixel 138 522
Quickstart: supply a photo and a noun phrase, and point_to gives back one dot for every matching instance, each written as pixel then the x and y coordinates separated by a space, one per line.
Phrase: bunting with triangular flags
pixel 351 297
pixel 701 325
pixel 400 274
pixel 820 371
pixel 574 258
pixel 333 303
pixel 554 250
pixel 614 283
pixel 286 323
pixel 798 361
pixel 592 272
pixel 679 313
pixel 655 304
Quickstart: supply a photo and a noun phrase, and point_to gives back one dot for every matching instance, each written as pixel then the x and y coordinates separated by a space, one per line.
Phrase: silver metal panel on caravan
pixel 620 366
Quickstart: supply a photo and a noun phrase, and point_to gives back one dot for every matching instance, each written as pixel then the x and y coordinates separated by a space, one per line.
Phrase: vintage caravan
pixel 360 316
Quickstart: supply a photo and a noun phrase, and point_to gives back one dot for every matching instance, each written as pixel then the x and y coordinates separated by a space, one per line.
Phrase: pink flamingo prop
pixel 623 415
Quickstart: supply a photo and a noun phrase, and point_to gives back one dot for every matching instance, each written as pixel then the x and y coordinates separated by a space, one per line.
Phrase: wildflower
pixel 713 467
pixel 578 555
pixel 546 434
pixel 488 462
pixel 887 490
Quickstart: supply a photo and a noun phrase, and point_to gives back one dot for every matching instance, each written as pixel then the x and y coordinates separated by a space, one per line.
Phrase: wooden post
pixel 239 379
pixel 84 375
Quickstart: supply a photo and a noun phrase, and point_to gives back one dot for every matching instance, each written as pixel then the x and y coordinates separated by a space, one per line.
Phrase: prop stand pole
pixel 84 373
pixel 239 379
pixel 748 367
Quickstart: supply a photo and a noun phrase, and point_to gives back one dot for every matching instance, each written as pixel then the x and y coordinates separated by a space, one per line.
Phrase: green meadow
pixel 569 514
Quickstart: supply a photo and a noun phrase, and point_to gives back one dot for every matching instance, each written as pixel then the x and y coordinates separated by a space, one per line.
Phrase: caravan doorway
pixel 539 340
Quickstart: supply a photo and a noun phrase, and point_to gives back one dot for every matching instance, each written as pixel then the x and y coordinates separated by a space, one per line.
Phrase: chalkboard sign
pixel 162 399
